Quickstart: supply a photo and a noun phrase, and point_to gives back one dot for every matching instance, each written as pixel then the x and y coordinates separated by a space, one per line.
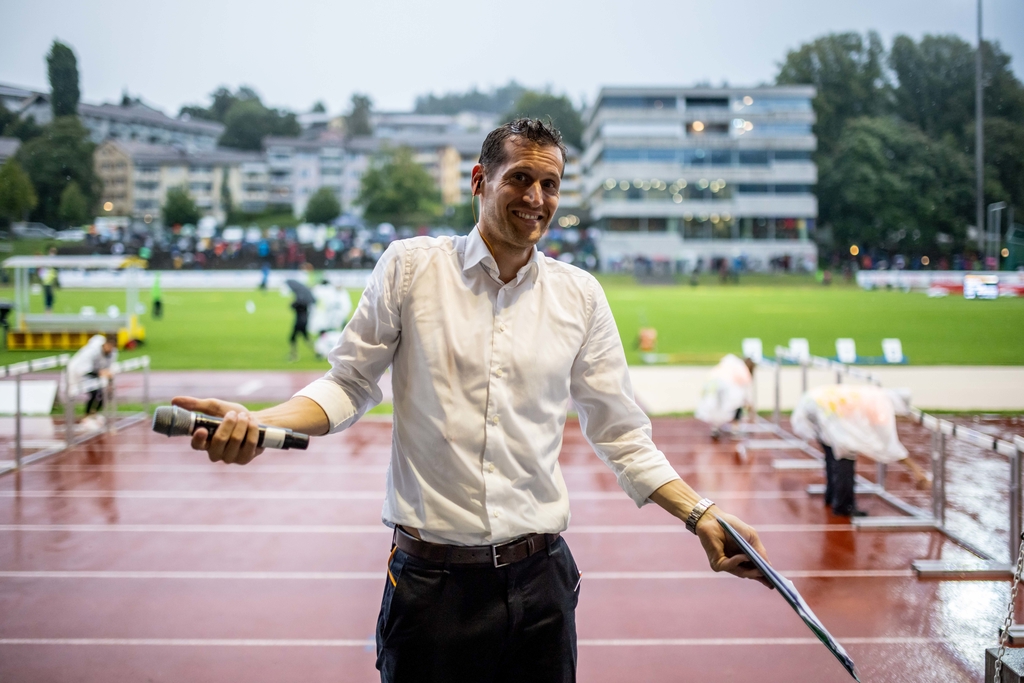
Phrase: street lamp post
pixel 979 141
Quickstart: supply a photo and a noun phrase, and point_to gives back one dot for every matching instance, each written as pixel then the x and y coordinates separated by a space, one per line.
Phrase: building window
pixel 753 158
pixel 749 188
pixel 623 224
pixel 792 155
pixel 639 102
pixel 707 102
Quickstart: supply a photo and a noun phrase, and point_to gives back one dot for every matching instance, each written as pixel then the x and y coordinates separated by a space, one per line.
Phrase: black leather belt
pixel 495 555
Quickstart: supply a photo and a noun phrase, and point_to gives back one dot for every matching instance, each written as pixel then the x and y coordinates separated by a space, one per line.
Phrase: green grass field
pixel 213 330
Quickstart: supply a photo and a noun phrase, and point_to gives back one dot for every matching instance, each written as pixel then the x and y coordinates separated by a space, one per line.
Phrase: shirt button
pixel 499 373
pixel 501 327
pixel 490 467
pixel 497 514
pixel 494 420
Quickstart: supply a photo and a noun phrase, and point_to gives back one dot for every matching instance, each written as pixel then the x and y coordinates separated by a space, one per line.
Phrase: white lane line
pixel 616 496
pixel 208 468
pixel 583 642
pixel 372 528
pixel 377 575
pixel 250 387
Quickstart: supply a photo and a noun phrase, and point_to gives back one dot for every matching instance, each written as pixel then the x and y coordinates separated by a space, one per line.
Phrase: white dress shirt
pixel 483 373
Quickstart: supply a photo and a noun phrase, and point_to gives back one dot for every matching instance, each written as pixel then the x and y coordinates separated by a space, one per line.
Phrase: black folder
pixel 788 591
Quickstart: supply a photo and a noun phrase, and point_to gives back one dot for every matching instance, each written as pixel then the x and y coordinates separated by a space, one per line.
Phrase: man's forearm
pixel 677 497
pixel 299 414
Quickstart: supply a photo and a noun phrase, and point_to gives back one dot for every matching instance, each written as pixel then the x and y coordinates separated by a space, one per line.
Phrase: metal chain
pixel 1005 633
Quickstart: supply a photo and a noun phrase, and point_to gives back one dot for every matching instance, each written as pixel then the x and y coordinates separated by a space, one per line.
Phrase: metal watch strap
pixel 697 512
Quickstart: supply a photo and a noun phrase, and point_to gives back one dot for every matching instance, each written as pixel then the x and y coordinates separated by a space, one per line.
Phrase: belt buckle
pixel 494 558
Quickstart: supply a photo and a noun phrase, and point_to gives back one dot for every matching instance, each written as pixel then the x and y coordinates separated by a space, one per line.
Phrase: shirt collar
pixel 478 253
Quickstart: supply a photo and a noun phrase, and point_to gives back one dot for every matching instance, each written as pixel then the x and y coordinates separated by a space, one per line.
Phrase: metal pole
pixel 17 421
pixel 979 138
pixel 69 409
pixel 938 476
pixel 778 392
pixel 145 387
pixel 1014 506
pixel 881 470
pixel 803 376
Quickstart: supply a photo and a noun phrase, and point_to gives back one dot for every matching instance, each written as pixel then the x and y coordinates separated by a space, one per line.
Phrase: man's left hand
pixel 723 553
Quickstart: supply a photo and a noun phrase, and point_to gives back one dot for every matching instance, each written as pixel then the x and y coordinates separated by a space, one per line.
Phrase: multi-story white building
pixel 136 177
pixel 298 167
pixel 691 175
pixel 131 121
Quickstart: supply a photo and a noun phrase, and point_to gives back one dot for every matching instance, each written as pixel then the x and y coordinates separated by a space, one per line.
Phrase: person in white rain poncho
pixel 850 420
pixel 91 361
pixel 332 310
pixel 729 387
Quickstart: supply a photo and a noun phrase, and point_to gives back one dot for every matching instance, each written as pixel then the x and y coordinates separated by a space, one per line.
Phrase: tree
pixel 62 68
pixel 935 85
pixel 848 73
pixel 496 101
pixel 323 207
pixel 557 108
pixel 248 122
pixel 179 209
pixel 358 120
pixel 17 197
pixel 226 202
pixel 53 160
pixel 889 186
pixel 319 107
pixel 74 207
pixel 1004 160
pixel 398 190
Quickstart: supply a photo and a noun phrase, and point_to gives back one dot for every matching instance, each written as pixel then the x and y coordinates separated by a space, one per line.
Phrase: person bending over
pixel 488 341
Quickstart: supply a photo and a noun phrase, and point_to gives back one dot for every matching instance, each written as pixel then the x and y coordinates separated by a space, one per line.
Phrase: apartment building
pixel 298 167
pixel 136 177
pixel 690 175
pixel 131 120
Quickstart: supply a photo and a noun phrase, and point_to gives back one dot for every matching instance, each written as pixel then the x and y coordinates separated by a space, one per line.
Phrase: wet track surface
pixel 132 558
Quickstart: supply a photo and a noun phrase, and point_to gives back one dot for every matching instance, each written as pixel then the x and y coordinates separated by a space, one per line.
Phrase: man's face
pixel 108 348
pixel 519 198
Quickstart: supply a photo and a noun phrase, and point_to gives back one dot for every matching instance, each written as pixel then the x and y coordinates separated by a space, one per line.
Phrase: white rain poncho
pixel 331 311
pixel 727 389
pixel 852 419
pixel 89 358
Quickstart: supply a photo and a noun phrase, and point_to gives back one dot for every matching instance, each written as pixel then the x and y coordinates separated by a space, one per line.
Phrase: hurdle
pixel 69 394
pixel 983 565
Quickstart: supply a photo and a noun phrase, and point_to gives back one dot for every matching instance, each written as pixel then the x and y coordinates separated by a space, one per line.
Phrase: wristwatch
pixel 697 512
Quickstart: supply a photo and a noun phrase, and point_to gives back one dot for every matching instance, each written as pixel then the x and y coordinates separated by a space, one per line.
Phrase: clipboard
pixel 788 591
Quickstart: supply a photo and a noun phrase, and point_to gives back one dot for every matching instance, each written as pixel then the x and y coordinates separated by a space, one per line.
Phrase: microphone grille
pixel 172 421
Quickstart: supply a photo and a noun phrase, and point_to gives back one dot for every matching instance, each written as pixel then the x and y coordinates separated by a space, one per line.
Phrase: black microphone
pixel 175 421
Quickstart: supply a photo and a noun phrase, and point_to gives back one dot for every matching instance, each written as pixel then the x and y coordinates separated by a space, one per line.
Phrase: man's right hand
pixel 235 440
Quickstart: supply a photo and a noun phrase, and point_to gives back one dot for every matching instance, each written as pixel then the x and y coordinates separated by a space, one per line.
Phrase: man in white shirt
pixel 91 361
pixel 489 341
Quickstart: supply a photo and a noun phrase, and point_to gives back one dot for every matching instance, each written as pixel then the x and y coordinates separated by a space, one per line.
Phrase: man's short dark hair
pixel 493 153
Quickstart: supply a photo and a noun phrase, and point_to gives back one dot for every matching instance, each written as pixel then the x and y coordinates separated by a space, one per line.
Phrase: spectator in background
pixel 48 277
pixel 155 296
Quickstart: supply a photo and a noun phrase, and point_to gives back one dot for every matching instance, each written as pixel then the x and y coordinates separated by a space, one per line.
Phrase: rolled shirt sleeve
pixel 610 418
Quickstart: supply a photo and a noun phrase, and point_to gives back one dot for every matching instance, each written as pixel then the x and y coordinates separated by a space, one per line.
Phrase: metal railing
pixel 983 566
pixel 69 395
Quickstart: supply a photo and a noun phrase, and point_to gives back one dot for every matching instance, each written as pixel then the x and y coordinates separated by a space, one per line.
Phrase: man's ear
pixel 478 179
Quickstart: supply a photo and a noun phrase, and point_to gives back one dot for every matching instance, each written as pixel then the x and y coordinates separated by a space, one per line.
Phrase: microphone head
pixel 172 421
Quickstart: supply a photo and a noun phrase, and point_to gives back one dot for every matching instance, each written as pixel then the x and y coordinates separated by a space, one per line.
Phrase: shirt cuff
pixel 639 481
pixel 333 400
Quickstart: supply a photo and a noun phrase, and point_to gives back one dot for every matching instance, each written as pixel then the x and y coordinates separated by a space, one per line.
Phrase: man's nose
pixel 534 195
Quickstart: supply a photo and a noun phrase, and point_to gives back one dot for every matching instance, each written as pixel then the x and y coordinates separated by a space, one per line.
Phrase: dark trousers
pixel 95 402
pixel 839 482
pixel 479 624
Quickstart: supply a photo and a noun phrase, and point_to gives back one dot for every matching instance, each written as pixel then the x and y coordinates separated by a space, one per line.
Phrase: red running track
pixel 134 559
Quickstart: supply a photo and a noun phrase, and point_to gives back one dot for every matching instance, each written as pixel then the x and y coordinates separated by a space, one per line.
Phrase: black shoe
pixel 850 512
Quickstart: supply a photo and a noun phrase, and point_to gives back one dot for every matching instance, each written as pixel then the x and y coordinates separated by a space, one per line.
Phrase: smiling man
pixel 489 342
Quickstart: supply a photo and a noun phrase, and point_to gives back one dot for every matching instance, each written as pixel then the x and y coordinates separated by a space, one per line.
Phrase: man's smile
pixel 527 216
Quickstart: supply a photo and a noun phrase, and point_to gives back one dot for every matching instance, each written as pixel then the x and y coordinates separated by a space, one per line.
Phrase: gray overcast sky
pixel 296 52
